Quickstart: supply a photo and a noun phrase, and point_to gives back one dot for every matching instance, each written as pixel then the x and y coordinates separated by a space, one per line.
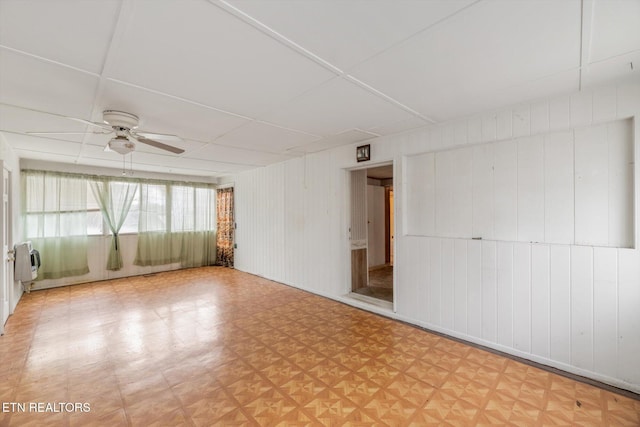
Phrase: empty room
pixel 320 212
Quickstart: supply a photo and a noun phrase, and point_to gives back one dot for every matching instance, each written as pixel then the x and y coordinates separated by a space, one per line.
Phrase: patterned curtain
pixel 224 239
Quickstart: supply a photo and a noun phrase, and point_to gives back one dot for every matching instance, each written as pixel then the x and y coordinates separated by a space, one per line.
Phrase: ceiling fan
pixel 124 126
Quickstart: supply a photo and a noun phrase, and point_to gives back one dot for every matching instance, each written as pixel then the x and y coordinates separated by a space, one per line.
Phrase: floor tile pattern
pixel 213 346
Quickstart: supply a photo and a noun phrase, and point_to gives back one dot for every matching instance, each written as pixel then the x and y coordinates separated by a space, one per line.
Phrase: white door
pixel 7 270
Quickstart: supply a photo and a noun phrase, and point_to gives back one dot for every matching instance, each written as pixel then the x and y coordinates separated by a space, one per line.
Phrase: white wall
pixel 567 187
pixel 570 306
pixel 11 162
pixel 292 226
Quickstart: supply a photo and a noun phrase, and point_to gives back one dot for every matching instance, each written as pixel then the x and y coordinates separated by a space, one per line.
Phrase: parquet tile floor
pixel 214 346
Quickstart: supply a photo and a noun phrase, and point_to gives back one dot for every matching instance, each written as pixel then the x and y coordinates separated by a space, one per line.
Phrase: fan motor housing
pixel 120 119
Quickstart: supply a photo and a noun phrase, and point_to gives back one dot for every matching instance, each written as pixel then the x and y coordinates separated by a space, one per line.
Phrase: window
pixel 95 224
pixel 130 225
pixel 54 202
pixel 192 208
pixel 175 222
pixel 54 205
pixel 182 208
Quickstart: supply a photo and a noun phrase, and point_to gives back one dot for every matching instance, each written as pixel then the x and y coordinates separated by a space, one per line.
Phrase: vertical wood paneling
pixel 581 108
pixel 460 285
pixel 628 100
pixel 420 197
pixel 277 201
pixel 489 289
pixel 540 300
pixel 628 315
pixel 592 186
pixel 558 186
pixel 474 288
pixel 489 127
pixel 259 217
pixel 605 310
pixel 620 191
pixel 447 283
pixel 411 288
pixel 318 210
pixel 460 132
pixel 531 190
pixel 462 192
pixel 376 225
pixel 582 307
pixel 482 192
pixel 444 194
pixel 474 128
pixel 522 121
pixel 503 125
pixel 435 277
pixel 294 220
pixel 505 293
pixel 522 296
pixel 359 205
pixel 573 304
pixel 604 103
pixel 539 118
pixel 560 303
pixel 453 193
pixel 559 113
pixel 505 195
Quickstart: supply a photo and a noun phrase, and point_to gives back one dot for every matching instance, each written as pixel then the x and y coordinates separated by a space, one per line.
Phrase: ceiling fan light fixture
pixel 121 145
pixel 120 119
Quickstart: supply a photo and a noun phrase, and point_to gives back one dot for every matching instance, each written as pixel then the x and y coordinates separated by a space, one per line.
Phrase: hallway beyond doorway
pixel 380 283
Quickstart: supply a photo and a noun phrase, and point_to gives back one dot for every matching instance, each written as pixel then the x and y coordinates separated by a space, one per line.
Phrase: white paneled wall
pixel 559 188
pixel 420 214
pixel 562 187
pixel 290 226
pixel 513 177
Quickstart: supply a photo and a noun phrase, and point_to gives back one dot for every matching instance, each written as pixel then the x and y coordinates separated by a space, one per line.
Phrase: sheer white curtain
pixel 193 224
pixel 115 200
pixel 176 224
pixel 154 238
pixel 55 220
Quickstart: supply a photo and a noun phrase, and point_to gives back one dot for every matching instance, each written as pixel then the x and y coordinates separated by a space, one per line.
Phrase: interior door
pixel 7 270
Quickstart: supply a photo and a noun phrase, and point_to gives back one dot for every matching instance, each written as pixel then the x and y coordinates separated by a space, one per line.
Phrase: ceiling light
pixel 121 145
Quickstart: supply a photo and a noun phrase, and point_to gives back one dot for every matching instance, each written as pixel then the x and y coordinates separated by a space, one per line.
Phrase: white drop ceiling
pixel 248 83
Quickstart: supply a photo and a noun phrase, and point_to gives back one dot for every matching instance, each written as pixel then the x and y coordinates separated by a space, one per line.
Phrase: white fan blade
pixel 87 122
pixel 158 144
pixel 160 136
pixel 67 133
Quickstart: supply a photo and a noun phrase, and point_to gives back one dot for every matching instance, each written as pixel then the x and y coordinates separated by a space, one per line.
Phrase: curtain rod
pixel 123 178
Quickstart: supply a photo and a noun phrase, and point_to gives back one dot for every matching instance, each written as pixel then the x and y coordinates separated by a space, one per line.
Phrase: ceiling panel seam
pixel 586 33
pixel 124 16
pixel 178 98
pixel 50 61
pixel 407 38
pixel 268 31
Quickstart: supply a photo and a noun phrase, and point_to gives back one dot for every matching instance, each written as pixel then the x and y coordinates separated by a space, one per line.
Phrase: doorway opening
pixel 372 232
